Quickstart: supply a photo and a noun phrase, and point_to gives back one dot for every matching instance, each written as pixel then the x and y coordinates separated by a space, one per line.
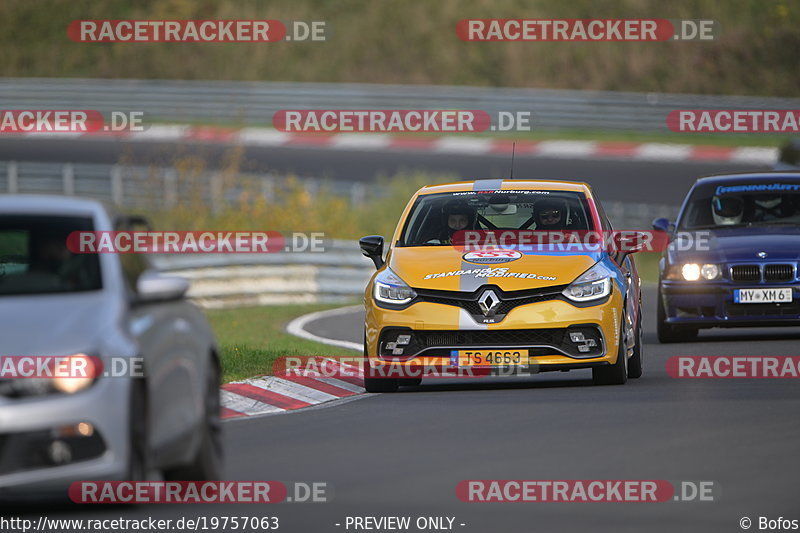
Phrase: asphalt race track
pixel 403 454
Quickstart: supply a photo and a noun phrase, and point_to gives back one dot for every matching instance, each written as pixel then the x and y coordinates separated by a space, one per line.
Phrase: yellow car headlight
pixel 390 289
pixel 593 284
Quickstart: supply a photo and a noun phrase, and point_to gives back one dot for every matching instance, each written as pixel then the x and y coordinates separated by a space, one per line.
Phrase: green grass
pixel 414 41
pixel 647 266
pixel 252 338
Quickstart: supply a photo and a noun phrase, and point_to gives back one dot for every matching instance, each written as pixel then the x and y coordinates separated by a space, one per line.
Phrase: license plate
pixel 762 296
pixel 489 357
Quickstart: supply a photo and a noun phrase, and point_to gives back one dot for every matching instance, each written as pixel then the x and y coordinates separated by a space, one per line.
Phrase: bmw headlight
pixel 710 272
pixel 390 289
pixel 694 272
pixel 690 271
pixel 593 284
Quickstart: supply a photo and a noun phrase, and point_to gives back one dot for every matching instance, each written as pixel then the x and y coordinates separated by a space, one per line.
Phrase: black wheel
pixel 616 374
pixel 668 333
pixel 377 384
pixel 207 464
pixel 635 361
pixel 137 454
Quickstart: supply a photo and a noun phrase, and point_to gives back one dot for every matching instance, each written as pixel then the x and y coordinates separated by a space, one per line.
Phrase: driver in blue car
pixel 727 210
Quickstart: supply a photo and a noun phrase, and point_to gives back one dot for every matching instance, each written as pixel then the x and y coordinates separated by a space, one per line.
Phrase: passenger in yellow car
pixel 456 216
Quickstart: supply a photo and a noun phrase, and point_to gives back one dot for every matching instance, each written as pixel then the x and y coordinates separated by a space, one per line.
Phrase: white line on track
pixel 297 327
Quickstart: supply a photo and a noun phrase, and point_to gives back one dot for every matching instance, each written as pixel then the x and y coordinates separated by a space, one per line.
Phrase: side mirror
pixel 663 224
pixel 372 247
pixel 630 242
pixel 153 286
pixel 625 243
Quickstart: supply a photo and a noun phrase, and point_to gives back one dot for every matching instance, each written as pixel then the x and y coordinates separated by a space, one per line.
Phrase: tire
pixel 137 452
pixel 616 374
pixel 668 333
pixel 635 362
pixel 377 384
pixel 381 384
pixel 207 464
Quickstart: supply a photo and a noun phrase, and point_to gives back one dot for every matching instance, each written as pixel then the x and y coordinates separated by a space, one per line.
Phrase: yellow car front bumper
pixel 542 328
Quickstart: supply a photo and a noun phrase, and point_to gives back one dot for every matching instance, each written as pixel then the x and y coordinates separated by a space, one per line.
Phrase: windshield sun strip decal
pixel 487 185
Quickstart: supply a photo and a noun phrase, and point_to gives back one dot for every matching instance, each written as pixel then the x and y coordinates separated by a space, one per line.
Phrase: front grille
pixel 508 300
pixel 509 337
pixel 473 308
pixel 746 273
pixel 437 343
pixel 778 272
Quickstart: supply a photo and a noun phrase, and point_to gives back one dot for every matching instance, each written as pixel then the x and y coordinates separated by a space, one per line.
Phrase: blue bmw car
pixel 733 256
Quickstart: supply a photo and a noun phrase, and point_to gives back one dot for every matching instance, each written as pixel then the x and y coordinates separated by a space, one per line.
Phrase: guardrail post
pixel 170 188
pixel 617 213
pixel 217 197
pixel 68 179
pixel 11 170
pixel 116 185
pixel 644 212
pixel 267 188
pixel 312 187
pixel 357 194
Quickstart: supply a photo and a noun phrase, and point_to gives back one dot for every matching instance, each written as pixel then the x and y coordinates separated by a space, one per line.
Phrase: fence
pixel 254 103
pixel 163 187
pixel 137 187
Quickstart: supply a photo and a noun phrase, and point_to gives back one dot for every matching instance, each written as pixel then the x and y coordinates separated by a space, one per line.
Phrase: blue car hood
pixel 780 243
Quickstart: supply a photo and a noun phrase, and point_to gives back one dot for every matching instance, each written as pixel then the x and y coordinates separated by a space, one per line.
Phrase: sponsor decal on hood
pixel 488 257
pixel 489 272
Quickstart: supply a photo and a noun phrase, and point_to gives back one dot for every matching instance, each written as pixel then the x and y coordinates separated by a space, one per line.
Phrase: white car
pixel 54 431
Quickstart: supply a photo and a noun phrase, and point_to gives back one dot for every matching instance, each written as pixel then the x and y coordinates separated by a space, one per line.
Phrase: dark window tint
pixel 34 258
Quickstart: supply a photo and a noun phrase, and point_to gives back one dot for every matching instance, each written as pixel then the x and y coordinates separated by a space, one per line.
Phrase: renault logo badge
pixel 488 302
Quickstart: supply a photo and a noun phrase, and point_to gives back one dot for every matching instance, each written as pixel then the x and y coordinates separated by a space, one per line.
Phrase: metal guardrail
pixel 338 274
pixel 163 188
pixel 149 187
pixel 254 103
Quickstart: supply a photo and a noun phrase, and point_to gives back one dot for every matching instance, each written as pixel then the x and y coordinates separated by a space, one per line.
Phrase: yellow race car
pixel 486 276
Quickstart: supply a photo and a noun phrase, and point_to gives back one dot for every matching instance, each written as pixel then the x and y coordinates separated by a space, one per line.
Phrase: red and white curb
pixel 278 394
pixel 445 144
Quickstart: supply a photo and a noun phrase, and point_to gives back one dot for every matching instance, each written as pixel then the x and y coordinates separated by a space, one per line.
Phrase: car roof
pixel 507 185
pixel 748 177
pixel 21 204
